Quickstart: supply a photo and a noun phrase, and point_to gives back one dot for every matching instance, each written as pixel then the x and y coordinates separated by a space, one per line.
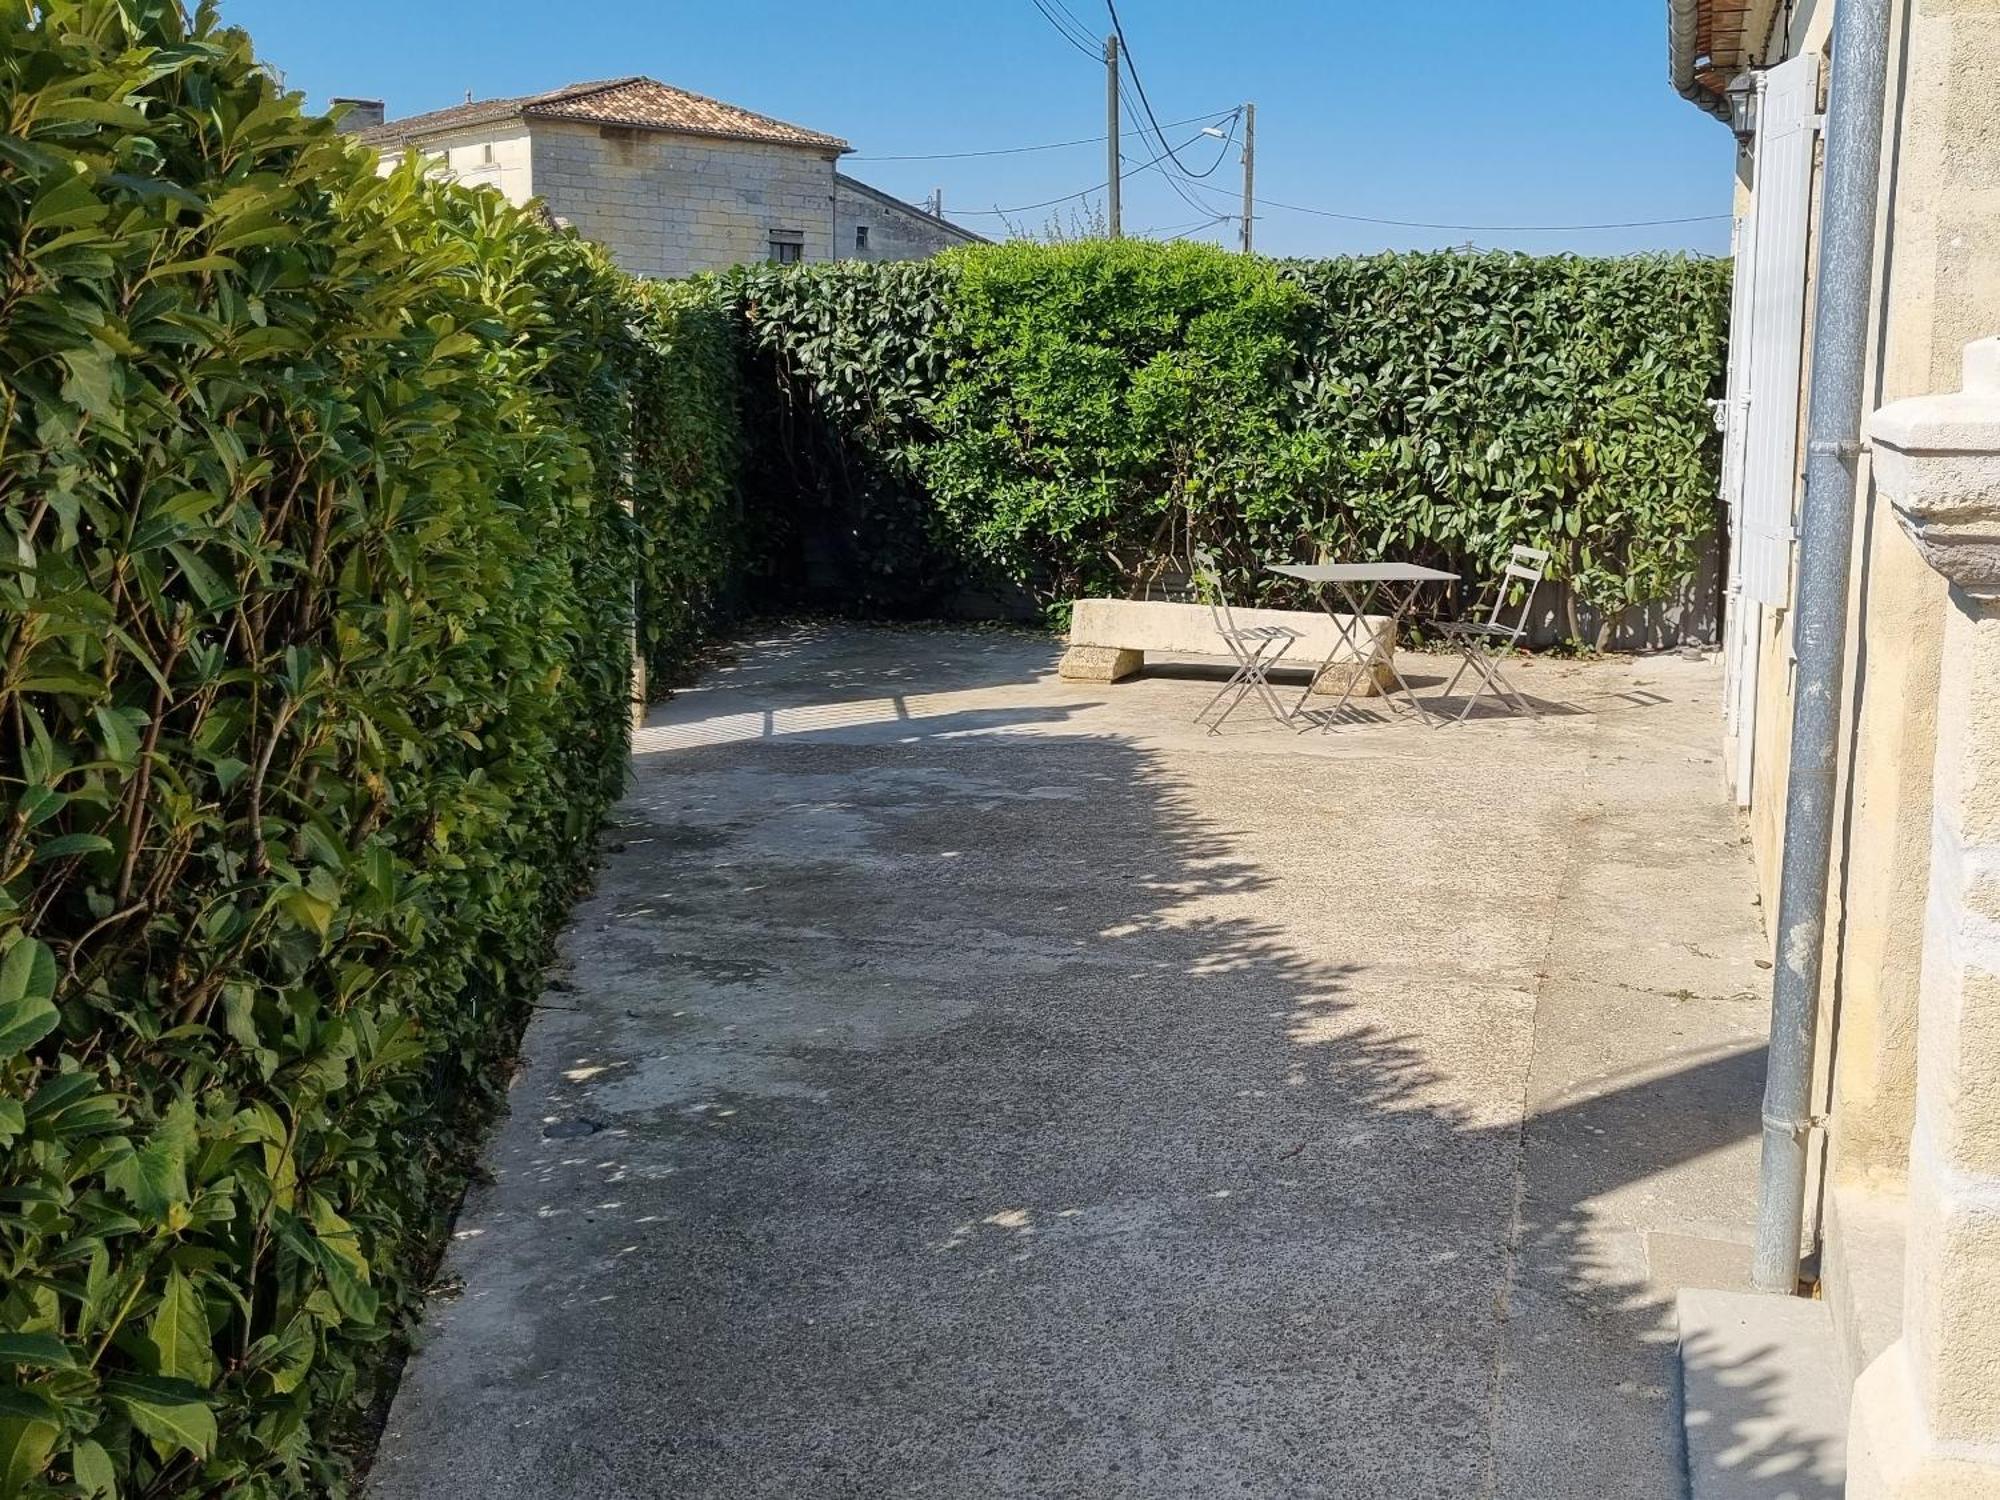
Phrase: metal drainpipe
pixel 1819 621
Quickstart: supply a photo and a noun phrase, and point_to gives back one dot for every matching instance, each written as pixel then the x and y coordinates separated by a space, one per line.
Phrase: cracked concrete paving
pixel 967 1083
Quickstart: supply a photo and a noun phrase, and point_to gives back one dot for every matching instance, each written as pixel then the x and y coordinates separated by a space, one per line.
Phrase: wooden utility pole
pixel 1249 174
pixel 1111 117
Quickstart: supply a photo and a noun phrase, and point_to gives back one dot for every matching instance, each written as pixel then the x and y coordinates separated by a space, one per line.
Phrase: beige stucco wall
pixel 670 205
pixel 492 155
pixel 1937 287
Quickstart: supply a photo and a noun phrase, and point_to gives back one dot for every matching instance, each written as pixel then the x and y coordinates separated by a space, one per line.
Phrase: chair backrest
pixel 1208 579
pixel 1526 565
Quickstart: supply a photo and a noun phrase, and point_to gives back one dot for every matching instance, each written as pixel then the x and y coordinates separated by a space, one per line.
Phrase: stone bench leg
pixel 1101 663
pixel 1369 681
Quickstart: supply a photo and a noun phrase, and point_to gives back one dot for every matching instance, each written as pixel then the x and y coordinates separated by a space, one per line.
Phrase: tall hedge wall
pixel 325 499
pixel 685 461
pixel 1059 418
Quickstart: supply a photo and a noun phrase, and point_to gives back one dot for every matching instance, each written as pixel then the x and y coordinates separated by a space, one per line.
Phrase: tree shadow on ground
pixel 983 1117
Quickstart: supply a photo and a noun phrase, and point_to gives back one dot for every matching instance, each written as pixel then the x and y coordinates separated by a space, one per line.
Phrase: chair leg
pixel 1242 669
pixel 1261 661
pixel 1241 682
pixel 1478 688
pixel 1268 689
pixel 1220 694
pixel 1252 675
pixel 1508 690
pixel 1449 686
pixel 1491 681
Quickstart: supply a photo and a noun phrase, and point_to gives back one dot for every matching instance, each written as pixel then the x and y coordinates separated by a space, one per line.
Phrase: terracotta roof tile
pixel 636 103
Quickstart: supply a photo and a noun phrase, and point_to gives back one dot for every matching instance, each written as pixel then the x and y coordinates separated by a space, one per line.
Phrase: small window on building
pixel 486 154
pixel 861 236
pixel 788 246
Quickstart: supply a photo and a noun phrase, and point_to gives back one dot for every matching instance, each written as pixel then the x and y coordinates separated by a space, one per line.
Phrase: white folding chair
pixel 1481 641
pixel 1255 648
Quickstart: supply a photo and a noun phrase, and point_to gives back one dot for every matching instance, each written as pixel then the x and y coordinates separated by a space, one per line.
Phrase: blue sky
pixel 1473 112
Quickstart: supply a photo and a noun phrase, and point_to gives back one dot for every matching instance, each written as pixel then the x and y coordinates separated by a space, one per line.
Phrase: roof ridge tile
pixel 634 100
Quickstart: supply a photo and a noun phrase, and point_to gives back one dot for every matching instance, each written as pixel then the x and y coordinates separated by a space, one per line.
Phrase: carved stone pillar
pixel 1925 1423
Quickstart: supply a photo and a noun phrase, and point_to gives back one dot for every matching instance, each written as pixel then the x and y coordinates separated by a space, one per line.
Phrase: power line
pixel 1171 232
pixel 1235 119
pixel 1132 67
pixel 1081 26
pixel 1066 197
pixel 1093 140
pixel 1066 34
pixel 1172 179
pixel 1072 30
pixel 1327 213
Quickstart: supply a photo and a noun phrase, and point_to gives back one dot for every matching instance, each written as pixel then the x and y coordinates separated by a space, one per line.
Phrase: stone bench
pixel 1109 640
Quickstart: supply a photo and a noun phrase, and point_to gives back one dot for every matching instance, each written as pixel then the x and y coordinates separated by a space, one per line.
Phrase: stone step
pixel 1763 1403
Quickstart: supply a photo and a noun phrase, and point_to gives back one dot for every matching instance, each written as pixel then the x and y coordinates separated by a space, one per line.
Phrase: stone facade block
pixel 669 205
pixel 1926 1414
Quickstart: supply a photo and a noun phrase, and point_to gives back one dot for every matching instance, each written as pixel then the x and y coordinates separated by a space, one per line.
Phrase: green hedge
pixel 1479 401
pixel 1059 418
pixel 324 500
pixel 843 360
pixel 686 460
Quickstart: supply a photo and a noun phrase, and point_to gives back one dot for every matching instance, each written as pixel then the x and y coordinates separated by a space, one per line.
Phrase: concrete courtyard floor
pixel 965 1083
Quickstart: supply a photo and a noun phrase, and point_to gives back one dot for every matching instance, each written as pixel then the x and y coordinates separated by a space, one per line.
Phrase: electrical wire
pixel 1072 30
pixel 1082 27
pixel 1174 180
pixel 1067 35
pixel 1132 67
pixel 1235 119
pixel 1071 27
pixel 1066 197
pixel 1182 231
pixel 1327 213
pixel 1092 140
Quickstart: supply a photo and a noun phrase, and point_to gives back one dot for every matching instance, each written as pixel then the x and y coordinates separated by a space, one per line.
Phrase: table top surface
pixel 1365 572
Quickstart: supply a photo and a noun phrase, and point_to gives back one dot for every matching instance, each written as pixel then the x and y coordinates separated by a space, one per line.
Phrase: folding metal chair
pixel 1481 641
pixel 1255 648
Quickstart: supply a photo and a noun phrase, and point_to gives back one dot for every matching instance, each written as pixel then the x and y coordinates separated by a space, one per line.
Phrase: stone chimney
pixel 361 114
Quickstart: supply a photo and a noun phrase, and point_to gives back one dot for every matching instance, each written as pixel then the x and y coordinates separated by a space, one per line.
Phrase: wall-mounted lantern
pixel 1743 94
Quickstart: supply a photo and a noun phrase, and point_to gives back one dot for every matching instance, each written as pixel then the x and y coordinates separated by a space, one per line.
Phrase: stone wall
pixel 1937 285
pixel 670 205
pixel 894 230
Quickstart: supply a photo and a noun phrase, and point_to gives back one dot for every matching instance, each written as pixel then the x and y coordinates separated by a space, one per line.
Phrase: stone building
pixel 670 182
pixel 869 224
pixel 1864 650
